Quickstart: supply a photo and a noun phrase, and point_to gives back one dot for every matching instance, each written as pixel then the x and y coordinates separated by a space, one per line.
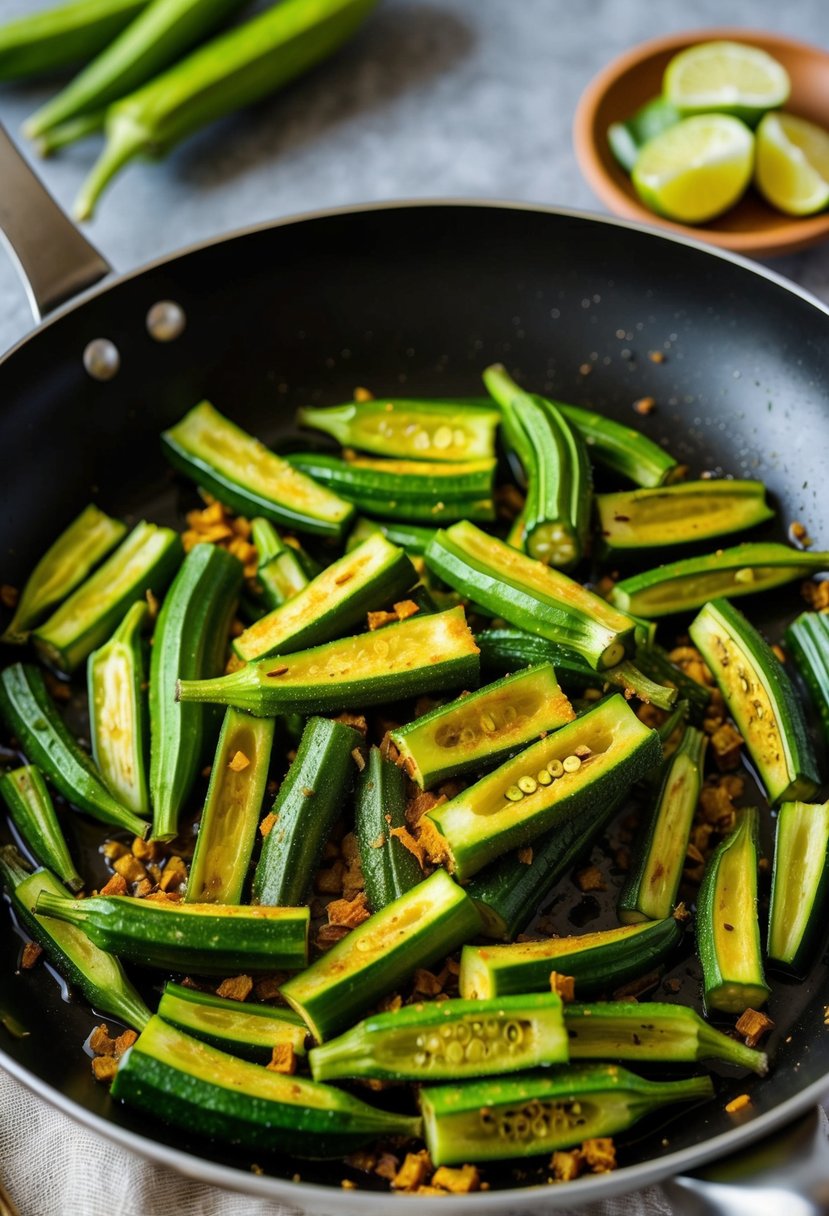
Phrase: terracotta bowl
pixel 752 227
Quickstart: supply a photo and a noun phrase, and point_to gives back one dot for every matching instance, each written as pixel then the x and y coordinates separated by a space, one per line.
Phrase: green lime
pixel 626 138
pixel 726 77
pixel 792 164
pixel 696 169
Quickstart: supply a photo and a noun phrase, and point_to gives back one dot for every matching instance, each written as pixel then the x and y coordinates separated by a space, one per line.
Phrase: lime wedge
pixel 696 169
pixel 792 164
pixel 728 77
pixel 626 138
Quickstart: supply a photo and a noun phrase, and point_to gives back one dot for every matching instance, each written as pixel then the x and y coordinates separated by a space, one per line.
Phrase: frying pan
pixel 416 299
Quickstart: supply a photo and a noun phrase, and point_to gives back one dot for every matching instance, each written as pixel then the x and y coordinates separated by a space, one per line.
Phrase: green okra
pixel 389 868
pixel 632 521
pixel 448 1040
pixel 30 713
pixel 409 429
pixel 530 595
pixel 145 561
pixel 411 537
pixel 96 973
pixel 56 38
pixel 799 885
pixel 684 585
pixel 652 1030
pixel 227 73
pixel 116 676
pixel 63 567
pixel 808 641
pixel 563 776
pixel 423 925
pixel 422 654
pixel 208 939
pixel 656 870
pixel 555 520
pixel 728 932
pixel 157 36
pixel 481 729
pixel 227 829
pixel 623 450
pixel 280 572
pixel 536 1113
pixel 370 576
pixel 410 490
pixel 242 1028
pixel 190 641
pixel 180 1080
pixel 30 806
pixel 309 801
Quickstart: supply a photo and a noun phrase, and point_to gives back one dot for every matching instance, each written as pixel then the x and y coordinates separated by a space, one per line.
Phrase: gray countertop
pixel 433 98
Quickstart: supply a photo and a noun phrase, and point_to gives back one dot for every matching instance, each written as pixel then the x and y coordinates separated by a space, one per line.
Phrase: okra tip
pixel 125 139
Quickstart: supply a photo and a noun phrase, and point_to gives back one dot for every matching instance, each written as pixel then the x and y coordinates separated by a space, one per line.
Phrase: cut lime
pixel 626 138
pixel 697 169
pixel 727 77
pixel 792 164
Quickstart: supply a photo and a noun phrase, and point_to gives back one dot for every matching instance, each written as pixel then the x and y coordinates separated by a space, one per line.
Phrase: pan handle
pixel 785 1174
pixel 54 260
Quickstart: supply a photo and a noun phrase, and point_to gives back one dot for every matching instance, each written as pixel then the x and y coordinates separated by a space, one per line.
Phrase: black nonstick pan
pixel 412 299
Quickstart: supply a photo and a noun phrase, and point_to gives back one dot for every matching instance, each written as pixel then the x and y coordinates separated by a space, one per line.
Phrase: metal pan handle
pixel 54 260
pixel 785 1174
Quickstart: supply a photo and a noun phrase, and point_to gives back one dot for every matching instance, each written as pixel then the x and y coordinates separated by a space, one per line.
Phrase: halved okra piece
pixel 622 449
pixel 478 730
pixel 190 642
pixel 227 829
pixel 537 1113
pixel 652 1030
pixel 280 572
pixel 309 802
pixel 371 576
pixel 728 933
pixel 31 715
pixel 389 868
pixel 423 925
pixel 118 725
pixel 208 939
pixel 581 765
pixel 690 511
pixel 555 520
pixel 508 892
pixel 412 490
pixel 145 561
pixel 656 870
pixel 245 475
pixel 807 639
pixel 504 649
pixel 597 961
pixel 63 567
pixel 94 972
pixel 446 429
pixel 242 1028
pixel 761 700
pixel 422 654
pixel 180 1080
pixel 448 1041
pixel 33 814
pixel 799 885
pixel 686 584
pixel 530 595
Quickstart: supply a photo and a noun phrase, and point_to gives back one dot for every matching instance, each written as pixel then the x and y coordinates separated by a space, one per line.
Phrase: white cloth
pixel 52 1166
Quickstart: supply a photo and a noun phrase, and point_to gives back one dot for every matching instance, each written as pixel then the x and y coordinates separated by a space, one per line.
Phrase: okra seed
pixel 528 784
pixel 571 764
pixel 460 438
pixel 555 768
pixel 513 793
pixel 101 359
pixel 166 321
pixel 475 1051
pixel 468 735
pixel 433 1044
pixel 443 437
pixel 513 1032
pixel 455 1053
pixel 420 1041
pixel 543 777
pixel 463 1033
pixel 447 1032
pixel 488 723
pixel 420 1058
pixel 421 440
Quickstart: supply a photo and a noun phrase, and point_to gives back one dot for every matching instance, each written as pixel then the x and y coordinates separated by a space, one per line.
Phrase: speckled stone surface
pixel 433 98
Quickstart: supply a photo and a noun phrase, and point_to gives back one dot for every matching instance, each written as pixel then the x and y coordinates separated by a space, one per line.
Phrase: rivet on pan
pixel 101 359
pixel 166 321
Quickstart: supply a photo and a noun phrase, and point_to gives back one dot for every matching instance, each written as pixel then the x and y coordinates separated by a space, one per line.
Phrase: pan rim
pixel 309 1195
